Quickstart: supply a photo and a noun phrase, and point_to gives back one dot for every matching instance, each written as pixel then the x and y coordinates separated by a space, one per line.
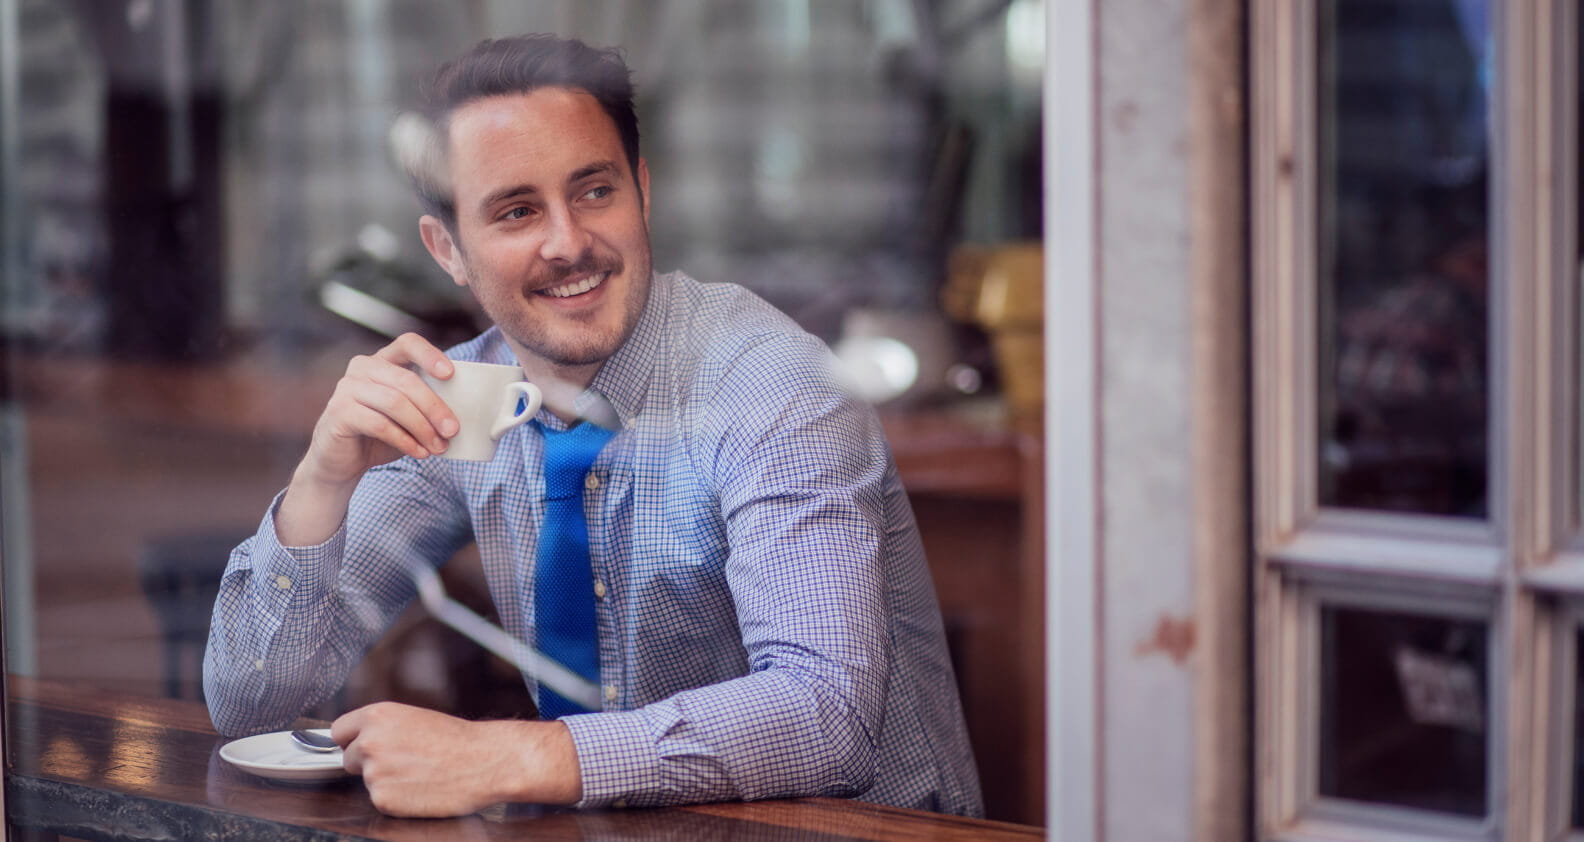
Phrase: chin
pixel 579 358
pixel 574 352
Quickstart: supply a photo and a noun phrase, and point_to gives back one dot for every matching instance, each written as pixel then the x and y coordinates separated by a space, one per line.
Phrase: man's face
pixel 552 234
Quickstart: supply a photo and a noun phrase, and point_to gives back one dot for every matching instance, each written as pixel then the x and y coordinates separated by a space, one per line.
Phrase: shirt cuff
pixel 617 758
pixel 317 566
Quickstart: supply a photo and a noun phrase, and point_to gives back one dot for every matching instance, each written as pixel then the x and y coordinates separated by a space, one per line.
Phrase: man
pixel 766 626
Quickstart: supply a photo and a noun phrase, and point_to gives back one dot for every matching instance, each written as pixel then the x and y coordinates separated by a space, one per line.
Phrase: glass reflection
pixel 1404 309
pixel 1403 710
pixel 211 224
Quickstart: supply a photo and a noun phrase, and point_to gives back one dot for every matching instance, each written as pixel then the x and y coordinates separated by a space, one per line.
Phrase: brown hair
pixel 516 65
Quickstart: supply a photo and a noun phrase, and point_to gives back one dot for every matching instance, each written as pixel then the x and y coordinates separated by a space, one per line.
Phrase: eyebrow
pixel 596 168
pixel 516 190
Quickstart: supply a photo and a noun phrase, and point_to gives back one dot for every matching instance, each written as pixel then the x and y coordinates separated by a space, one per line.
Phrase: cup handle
pixel 509 417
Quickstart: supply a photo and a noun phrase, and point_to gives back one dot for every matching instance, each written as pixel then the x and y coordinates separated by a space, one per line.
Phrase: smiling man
pixel 747 585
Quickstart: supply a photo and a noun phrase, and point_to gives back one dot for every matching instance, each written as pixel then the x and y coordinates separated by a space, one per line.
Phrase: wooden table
pixel 86 763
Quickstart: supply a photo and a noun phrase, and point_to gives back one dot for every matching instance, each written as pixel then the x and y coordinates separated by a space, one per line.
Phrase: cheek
pixel 632 241
pixel 501 261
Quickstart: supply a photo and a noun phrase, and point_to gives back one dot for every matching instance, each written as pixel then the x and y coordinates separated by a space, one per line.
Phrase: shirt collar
pixel 624 378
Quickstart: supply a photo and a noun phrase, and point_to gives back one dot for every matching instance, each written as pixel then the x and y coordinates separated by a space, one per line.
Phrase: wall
pixel 1149 551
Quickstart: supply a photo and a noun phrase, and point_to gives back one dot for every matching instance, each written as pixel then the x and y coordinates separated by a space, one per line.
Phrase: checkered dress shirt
pixel 767 624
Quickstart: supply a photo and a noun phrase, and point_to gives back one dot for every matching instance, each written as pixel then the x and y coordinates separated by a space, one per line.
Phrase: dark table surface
pixel 96 765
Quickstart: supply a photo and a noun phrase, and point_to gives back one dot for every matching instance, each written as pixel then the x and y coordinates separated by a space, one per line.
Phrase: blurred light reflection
pixel 64 757
pixel 133 756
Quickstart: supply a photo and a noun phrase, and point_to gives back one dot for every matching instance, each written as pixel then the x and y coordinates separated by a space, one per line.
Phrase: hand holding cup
pixel 488 400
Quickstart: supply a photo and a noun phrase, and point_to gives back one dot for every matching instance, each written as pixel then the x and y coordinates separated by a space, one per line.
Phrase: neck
pixel 561 385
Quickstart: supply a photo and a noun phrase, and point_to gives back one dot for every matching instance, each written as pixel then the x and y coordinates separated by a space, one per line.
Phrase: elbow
pixel 850 725
pixel 226 722
pixel 854 757
pixel 234 701
pixel 230 718
pixel 233 717
pixel 859 768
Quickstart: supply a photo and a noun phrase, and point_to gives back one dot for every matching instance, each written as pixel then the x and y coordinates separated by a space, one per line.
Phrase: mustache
pixel 588 264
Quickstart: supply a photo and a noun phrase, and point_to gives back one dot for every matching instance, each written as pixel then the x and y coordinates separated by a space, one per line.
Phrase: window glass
pixel 1404 709
pixel 209 220
pixel 1404 128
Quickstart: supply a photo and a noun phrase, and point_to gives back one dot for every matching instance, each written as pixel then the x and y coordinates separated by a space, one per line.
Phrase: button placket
pixel 607 483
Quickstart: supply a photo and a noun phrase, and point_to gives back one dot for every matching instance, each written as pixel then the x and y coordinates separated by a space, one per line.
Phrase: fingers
pixel 381 400
pixel 419 422
pixel 363 420
pixel 412 349
pixel 408 352
pixel 414 762
pixel 353 731
pixel 345 732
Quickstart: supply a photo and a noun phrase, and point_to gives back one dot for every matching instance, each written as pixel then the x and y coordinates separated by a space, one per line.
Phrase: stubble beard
pixel 577 345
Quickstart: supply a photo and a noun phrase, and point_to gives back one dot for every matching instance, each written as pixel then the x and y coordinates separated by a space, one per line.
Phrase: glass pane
pixel 1404 710
pixel 1404 119
pixel 205 218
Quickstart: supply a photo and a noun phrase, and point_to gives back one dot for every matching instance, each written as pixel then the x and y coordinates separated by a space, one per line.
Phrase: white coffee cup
pixel 484 397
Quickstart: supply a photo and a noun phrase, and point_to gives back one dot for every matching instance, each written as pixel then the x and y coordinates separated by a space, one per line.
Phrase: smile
pixel 576 287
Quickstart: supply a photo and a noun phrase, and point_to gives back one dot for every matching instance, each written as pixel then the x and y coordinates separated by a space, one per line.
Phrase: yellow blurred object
pixel 1001 289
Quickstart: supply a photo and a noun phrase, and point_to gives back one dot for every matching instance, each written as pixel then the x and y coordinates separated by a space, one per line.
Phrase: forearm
pixel 540 764
pixel 292 620
pixel 313 508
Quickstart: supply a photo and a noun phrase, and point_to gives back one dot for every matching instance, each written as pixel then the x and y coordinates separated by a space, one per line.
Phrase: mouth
pixel 578 287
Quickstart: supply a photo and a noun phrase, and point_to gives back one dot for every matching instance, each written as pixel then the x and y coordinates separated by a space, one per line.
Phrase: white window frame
pixel 1525 562
pixel 1320 816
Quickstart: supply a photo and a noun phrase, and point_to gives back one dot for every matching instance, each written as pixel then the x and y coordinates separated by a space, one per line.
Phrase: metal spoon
pixel 314 741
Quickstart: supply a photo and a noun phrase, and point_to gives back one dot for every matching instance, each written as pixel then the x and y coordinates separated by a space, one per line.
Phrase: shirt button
pixel 590 481
pixel 610 692
pixel 599 589
pixel 619 803
pixel 259 664
pixel 283 583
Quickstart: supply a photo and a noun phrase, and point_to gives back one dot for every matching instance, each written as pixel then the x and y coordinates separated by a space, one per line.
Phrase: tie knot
pixel 568 454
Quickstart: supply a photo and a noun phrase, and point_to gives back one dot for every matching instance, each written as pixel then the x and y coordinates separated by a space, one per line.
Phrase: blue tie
pixel 564 581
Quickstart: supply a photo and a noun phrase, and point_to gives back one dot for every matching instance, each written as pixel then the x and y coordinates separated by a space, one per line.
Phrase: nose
pixel 565 238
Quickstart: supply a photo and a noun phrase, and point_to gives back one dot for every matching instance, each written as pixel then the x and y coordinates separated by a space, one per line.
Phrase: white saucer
pixel 278 756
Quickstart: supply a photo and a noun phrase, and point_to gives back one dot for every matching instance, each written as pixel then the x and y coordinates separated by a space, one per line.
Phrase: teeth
pixel 579 287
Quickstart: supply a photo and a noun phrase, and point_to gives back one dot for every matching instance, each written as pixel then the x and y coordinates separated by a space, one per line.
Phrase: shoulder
pixel 744 370
pixel 722 329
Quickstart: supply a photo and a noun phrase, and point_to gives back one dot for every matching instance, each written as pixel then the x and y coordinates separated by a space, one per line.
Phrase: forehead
pixel 545 134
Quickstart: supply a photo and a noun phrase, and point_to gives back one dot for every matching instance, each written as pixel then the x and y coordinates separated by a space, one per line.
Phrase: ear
pixel 443 248
pixel 643 187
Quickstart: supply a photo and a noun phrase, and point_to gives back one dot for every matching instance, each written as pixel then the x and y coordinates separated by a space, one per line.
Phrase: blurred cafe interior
pixel 206 220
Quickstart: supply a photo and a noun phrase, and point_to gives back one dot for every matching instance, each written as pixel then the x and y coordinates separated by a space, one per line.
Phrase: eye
pixel 599 192
pixel 518 212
